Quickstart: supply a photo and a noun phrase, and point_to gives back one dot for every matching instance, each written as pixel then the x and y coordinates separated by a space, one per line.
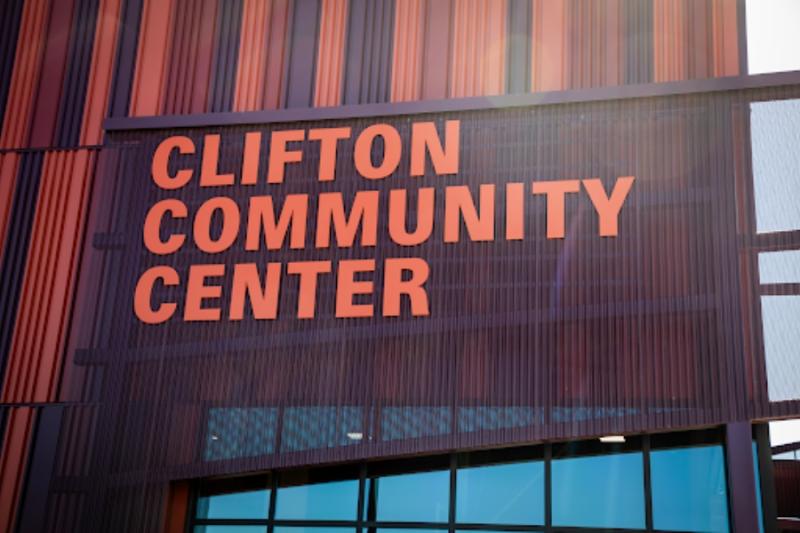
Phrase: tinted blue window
pixel 689 492
pixel 282 529
pixel 251 504
pixel 501 494
pixel 602 491
pixel 393 530
pixel 337 500
pixel 421 497
pixel 230 529
pixel 758 487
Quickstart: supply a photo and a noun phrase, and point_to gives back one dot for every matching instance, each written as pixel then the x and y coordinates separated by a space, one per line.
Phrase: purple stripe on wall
pixel 518 47
pixel 125 64
pixel 226 55
pixel 79 60
pixel 15 253
pixel 302 50
pixel 369 52
pixel 10 13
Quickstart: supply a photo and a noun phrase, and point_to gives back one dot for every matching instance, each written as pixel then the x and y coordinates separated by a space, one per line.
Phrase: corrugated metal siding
pixel 151 60
pixel 52 77
pixel 34 361
pixel 478 48
pixel 13 455
pixel 8 178
pixel 407 50
pixel 190 59
pixel 15 252
pixel 100 73
pixel 225 56
pixel 330 53
pixel 25 74
pixel 368 63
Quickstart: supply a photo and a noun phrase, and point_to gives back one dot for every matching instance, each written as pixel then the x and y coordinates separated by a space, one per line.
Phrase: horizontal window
pixel 779 267
pixel 501 494
pixel 248 504
pixel 337 500
pixel 604 491
pixel 419 497
pixel 284 529
pixel 230 529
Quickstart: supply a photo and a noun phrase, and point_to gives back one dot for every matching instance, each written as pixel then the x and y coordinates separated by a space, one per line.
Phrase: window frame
pixel 363 471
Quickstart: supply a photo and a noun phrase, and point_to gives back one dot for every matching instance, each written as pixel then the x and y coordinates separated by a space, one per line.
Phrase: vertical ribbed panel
pixel 548 70
pixel 25 75
pixel 225 56
pixel 477 65
pixel 330 53
pixel 726 38
pixel 76 80
pixel 302 52
pixel 637 41
pixel 100 72
pixel 8 177
pixel 436 52
pixel 124 69
pixel 51 81
pixel 190 58
pixel 254 43
pixel 15 252
pixel 13 456
pixel 368 63
pixel 34 362
pixel 150 77
pixel 518 53
pixel 277 55
pixel 593 43
pixel 407 50
pixel 10 14
pixel 670 36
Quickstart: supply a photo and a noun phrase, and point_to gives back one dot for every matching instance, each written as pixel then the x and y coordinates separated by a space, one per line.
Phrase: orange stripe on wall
pixel 37 345
pixel 592 48
pixel 407 50
pixel 147 93
pixel 25 75
pixel 548 54
pixel 276 53
pixel 8 178
pixel 330 53
pixel 477 66
pixel 726 38
pixel 250 70
pixel 670 36
pixel 97 91
pixel 13 459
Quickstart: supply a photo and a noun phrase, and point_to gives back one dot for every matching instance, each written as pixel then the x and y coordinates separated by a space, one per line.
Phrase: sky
pixel 773 35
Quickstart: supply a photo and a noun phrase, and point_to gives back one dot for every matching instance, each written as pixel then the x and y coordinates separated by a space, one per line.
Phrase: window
pixel 247 504
pixel 420 497
pixel 689 489
pixel 337 500
pixel 775 134
pixel 501 494
pixel 230 529
pixel 604 491
pixel 593 486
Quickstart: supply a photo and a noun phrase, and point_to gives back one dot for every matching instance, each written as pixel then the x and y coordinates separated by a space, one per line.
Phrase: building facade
pixel 346 265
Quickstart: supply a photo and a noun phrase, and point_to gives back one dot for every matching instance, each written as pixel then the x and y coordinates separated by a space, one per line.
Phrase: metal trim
pixel 646 90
